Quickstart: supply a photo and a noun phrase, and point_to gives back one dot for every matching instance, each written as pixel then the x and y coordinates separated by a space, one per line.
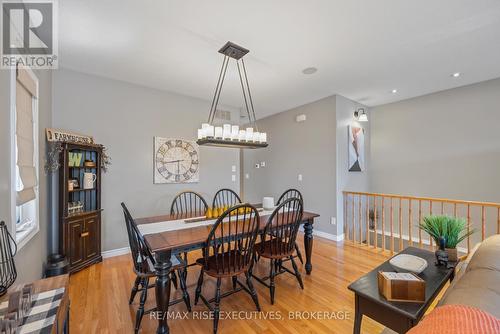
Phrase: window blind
pixel 25 92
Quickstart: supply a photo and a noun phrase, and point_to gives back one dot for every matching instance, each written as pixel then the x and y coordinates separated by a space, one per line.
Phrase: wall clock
pixel 176 161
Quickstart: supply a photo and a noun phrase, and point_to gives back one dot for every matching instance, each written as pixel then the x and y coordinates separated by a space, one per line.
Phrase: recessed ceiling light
pixel 456 74
pixel 309 70
pixel 394 91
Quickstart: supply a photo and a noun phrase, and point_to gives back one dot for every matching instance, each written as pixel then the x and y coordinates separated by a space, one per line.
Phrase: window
pixel 24 153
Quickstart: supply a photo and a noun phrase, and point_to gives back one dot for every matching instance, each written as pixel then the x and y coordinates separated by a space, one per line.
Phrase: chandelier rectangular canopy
pixel 230 135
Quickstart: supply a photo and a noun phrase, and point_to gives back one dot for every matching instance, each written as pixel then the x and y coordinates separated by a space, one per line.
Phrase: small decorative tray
pixel 406 263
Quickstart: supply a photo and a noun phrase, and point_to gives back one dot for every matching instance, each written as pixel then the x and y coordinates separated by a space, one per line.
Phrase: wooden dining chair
pixel 225 197
pixel 293 193
pixel 144 269
pixel 278 242
pixel 228 253
pixel 189 204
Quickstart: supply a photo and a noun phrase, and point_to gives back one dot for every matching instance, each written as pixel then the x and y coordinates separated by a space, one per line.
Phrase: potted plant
pixel 453 230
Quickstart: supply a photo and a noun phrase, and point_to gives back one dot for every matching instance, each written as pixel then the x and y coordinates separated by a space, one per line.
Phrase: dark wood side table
pixel 61 322
pixel 398 316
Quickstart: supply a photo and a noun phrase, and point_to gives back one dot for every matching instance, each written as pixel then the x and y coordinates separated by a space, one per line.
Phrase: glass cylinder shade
pixel 249 133
pixel 218 132
pixel 226 131
pixel 263 137
pixel 242 135
pixel 209 131
pixel 235 131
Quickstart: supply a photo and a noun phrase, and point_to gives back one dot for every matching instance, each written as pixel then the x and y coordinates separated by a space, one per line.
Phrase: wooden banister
pixel 365 219
pixel 433 199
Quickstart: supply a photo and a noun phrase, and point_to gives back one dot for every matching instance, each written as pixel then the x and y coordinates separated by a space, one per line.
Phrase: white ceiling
pixel 362 48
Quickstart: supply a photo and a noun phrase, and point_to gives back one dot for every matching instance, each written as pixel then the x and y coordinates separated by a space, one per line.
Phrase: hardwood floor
pixel 99 297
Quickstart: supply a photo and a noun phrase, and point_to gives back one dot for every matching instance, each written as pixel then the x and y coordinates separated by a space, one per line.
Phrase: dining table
pixel 172 234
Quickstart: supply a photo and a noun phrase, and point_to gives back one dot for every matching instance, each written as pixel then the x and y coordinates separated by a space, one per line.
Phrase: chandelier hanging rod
pixel 218 89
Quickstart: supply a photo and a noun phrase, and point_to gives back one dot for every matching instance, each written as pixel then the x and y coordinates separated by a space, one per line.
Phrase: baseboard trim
pixel 115 252
pixel 328 236
pixel 325 235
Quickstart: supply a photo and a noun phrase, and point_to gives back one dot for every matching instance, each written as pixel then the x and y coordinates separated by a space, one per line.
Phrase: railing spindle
pixel 430 239
pixel 383 222
pixel 455 210
pixel 400 225
pixel 410 220
pixel 419 222
pixel 375 241
pixel 360 220
pixel 346 196
pixel 392 225
pixel 353 218
pixel 368 220
pixel 442 208
pixel 483 223
pixel 468 228
pixel 498 221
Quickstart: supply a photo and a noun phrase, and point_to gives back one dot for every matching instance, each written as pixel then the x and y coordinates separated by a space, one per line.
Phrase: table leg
pixel 66 322
pixel 357 316
pixel 308 244
pixel 162 289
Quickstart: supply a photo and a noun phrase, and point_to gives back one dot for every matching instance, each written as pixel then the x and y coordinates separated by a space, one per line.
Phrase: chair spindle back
pixel 282 227
pixel 225 197
pixel 232 238
pixel 290 193
pixel 188 203
pixel 139 250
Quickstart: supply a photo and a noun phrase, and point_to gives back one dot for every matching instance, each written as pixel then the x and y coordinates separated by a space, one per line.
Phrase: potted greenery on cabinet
pixel 453 230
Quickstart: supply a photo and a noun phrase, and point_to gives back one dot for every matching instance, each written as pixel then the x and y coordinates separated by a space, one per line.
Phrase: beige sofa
pixel 477 283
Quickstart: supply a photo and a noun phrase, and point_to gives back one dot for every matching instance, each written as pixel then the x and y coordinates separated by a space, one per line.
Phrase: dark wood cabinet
pixel 80 205
pixel 90 236
pixel 75 244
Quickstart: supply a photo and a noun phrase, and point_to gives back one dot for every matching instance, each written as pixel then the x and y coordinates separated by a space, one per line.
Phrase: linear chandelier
pixel 229 135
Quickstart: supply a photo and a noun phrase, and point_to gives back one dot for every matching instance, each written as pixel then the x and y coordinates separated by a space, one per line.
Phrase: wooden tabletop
pixel 184 238
pixel 47 284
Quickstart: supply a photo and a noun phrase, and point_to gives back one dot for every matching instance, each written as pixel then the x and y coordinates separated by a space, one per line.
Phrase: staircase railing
pixel 390 222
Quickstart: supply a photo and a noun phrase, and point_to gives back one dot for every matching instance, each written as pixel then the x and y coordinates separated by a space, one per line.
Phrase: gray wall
pixel 307 148
pixel 125 117
pixel 349 181
pixel 29 260
pixel 317 149
pixel 445 144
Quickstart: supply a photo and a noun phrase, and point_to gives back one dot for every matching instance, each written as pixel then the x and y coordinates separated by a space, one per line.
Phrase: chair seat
pixel 272 249
pixel 148 270
pixel 232 264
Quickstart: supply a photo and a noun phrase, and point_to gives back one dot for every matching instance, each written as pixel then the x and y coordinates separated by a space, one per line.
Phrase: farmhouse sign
pixel 67 137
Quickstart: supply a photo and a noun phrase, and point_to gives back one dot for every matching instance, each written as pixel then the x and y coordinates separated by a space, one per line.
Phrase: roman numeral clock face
pixel 176 161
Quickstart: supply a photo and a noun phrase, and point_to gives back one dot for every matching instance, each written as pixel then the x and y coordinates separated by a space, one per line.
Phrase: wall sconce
pixel 360 115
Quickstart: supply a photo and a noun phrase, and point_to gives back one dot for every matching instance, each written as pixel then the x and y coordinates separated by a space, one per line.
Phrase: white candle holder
pixel 242 135
pixel 226 131
pixel 218 132
pixel 209 131
pixel 235 131
pixel 249 136
pixel 263 137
